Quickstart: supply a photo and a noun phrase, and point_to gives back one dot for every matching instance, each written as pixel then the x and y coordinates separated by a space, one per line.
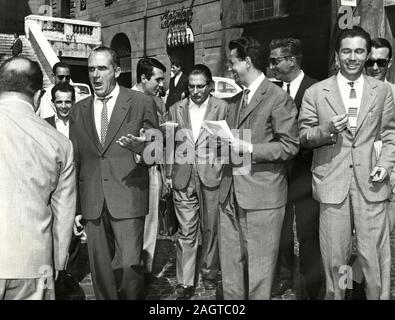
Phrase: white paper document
pixel 219 128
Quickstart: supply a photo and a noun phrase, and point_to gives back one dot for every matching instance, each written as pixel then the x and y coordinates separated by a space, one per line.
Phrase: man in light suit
pixel 38 197
pixel 113 189
pixel 253 196
pixel 178 85
pixel 341 118
pixel 195 177
pixel 286 61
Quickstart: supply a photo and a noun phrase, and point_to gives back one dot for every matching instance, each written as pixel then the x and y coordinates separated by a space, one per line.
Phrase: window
pixel 258 9
pixel 225 87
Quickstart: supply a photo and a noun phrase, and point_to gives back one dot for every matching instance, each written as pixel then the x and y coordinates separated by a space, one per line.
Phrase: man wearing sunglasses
pixel 285 61
pixel 61 73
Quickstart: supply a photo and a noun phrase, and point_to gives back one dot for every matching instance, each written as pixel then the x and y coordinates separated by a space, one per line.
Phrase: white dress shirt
pixel 345 90
pixel 254 86
pixel 177 78
pixel 294 85
pixel 98 107
pixel 196 115
pixel 61 126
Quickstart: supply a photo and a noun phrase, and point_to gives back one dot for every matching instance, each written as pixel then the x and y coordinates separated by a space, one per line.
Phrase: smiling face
pixel 238 68
pixel 63 103
pixel 352 56
pixel 281 64
pixel 152 85
pixel 103 73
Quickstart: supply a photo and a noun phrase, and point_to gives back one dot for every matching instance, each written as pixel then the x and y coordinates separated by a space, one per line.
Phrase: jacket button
pixel 353 146
pixel 106 180
pixel 351 166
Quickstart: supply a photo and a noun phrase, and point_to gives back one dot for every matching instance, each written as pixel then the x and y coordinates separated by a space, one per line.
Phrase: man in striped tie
pixel 341 118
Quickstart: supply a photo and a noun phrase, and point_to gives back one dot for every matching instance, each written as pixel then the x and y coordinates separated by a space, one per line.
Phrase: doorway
pixel 121 44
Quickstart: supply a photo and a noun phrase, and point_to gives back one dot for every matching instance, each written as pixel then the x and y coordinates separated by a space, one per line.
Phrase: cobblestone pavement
pixel 164 269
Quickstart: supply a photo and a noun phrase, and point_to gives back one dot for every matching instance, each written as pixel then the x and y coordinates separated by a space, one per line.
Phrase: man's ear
pixel 389 63
pixel 117 72
pixel 248 62
pixel 37 99
pixel 143 78
pixel 337 61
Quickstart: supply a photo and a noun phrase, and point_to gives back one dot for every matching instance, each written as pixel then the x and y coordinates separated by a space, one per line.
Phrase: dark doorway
pixel 307 20
pixel 186 54
pixel 12 15
pixel 121 44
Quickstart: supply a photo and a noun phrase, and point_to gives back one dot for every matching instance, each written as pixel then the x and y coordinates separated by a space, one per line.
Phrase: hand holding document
pixel 219 128
pixel 169 124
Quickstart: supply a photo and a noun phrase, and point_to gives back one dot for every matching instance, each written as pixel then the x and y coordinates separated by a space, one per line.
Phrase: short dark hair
pixel 21 75
pixel 355 31
pixel 176 61
pixel 60 65
pixel 63 87
pixel 382 43
pixel 290 46
pixel 249 47
pixel 203 70
pixel 146 67
pixel 114 54
pixel 16 34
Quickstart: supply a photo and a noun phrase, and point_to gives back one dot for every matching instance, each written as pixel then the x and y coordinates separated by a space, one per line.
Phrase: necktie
pixel 352 109
pixel 244 103
pixel 104 120
pixel 288 91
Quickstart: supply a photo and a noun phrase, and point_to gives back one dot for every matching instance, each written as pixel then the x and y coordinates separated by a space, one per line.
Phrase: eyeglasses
pixel 61 77
pixel 381 63
pixel 198 86
pixel 277 60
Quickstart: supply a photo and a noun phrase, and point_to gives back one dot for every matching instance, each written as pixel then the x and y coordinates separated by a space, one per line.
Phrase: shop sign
pixel 351 3
pixel 180 35
pixel 176 17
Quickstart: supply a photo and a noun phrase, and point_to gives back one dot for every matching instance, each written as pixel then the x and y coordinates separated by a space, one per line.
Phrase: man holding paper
pixel 253 196
pixel 195 177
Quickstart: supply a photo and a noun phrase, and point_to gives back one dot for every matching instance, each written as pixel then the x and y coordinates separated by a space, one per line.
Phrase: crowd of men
pixel 319 153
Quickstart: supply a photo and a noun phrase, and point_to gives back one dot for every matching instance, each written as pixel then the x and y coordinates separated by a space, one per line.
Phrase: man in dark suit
pixel 195 177
pixel 178 86
pixel 285 61
pixel 113 189
pixel 16 46
pixel 253 189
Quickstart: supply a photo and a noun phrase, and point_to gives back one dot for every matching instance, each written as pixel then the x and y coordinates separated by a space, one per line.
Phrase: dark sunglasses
pixel 276 61
pixel 381 63
pixel 61 77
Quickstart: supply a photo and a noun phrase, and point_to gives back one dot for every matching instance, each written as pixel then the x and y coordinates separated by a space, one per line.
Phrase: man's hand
pixel 378 174
pixel 132 142
pixel 169 183
pixel 338 123
pixel 241 146
pixel 78 228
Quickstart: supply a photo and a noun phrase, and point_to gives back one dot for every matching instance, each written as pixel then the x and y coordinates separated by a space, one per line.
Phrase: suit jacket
pixel 109 173
pixel 176 91
pixel 37 198
pixel 299 173
pixel 336 157
pixel 205 153
pixel 270 118
pixel 16 47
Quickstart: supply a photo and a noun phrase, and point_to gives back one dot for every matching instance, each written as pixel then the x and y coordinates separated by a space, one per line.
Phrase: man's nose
pixel 353 55
pixel 229 68
pixel 195 90
pixel 375 66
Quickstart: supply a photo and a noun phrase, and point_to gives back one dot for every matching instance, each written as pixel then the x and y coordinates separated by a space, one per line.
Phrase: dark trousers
pixel 114 247
pixel 306 213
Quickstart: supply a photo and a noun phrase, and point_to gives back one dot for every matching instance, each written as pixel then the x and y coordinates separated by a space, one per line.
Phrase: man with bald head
pixel 37 183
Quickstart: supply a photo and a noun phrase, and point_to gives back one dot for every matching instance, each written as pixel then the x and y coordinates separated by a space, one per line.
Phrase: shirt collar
pixel 114 94
pixel 254 86
pixel 342 79
pixel 297 80
pixel 57 119
pixel 202 106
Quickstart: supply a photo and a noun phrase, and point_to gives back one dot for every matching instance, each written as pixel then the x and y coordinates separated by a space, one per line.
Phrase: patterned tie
pixel 352 109
pixel 288 91
pixel 244 103
pixel 104 120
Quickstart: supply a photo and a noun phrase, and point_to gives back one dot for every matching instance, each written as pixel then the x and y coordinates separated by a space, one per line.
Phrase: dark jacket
pixel 175 92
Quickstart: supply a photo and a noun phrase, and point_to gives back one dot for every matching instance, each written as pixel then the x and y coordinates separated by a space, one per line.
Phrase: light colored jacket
pixel 336 158
pixel 37 193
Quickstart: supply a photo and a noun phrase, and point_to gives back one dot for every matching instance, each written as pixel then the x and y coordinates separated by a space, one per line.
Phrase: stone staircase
pixel 6 41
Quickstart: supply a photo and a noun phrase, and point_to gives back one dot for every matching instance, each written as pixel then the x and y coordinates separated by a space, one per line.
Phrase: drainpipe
pixel 145 28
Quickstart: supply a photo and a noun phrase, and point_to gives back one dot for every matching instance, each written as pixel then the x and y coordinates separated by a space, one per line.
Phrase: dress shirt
pixel 345 90
pixel 177 78
pixel 196 114
pixel 98 107
pixel 294 85
pixel 254 86
pixel 62 127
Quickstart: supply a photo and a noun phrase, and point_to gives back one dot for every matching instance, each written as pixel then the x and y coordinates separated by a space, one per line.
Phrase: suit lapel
pixel 183 115
pixel 121 108
pixel 368 98
pixel 300 93
pixel 256 99
pixel 333 97
pixel 89 123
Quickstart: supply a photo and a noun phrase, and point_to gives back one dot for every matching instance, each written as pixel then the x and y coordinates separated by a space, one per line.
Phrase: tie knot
pixel 105 100
pixel 247 91
pixel 351 84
